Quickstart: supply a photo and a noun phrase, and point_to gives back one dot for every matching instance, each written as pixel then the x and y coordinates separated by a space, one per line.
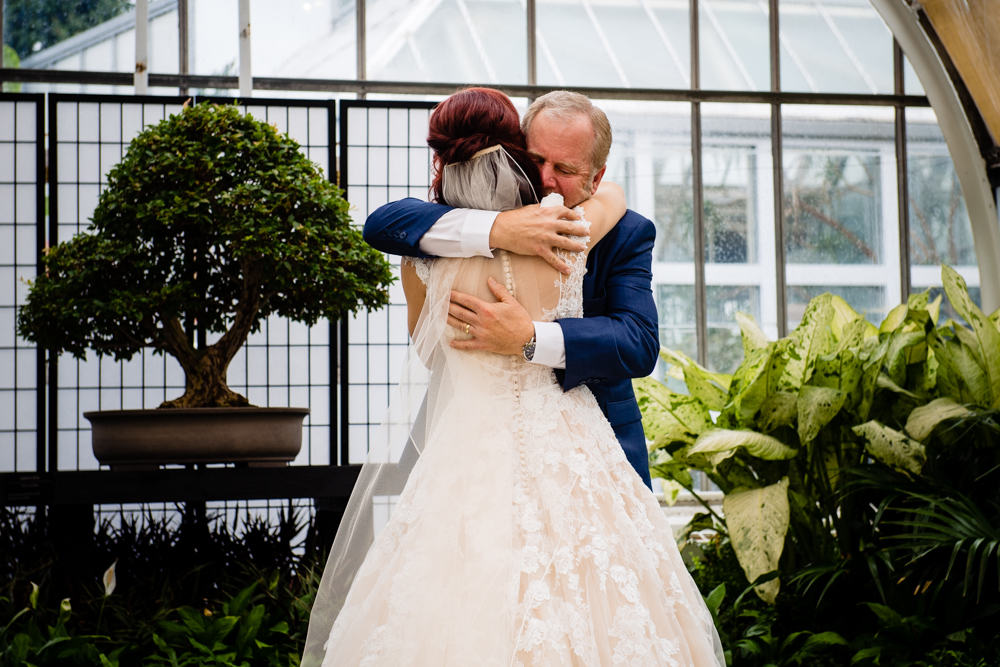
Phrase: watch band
pixel 529 349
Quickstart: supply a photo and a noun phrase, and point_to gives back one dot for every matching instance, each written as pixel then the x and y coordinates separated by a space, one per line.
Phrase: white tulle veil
pixel 491 180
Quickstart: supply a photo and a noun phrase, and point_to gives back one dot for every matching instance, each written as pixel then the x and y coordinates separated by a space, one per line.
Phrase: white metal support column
pixel 141 78
pixel 246 79
pixel 969 166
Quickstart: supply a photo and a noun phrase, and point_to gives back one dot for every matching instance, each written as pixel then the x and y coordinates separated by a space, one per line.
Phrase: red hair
pixel 471 120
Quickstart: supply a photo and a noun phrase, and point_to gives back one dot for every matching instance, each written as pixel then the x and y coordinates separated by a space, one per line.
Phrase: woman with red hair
pixel 521 534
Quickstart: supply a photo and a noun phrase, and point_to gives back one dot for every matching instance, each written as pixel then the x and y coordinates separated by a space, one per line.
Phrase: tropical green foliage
pixel 185 594
pixel 803 415
pixel 211 221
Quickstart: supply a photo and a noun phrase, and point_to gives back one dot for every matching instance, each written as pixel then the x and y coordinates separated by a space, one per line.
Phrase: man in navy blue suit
pixel 616 340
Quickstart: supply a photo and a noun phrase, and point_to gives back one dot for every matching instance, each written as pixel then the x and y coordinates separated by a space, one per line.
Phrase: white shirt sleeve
pixel 550 346
pixel 462 232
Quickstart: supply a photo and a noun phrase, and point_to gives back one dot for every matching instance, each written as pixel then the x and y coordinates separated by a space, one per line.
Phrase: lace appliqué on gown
pixel 422 265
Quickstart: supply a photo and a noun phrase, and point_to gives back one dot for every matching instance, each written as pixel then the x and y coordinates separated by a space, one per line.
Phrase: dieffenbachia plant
pixel 779 436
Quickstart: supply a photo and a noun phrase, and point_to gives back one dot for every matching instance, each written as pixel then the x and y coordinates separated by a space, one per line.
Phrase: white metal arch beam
pixel 969 165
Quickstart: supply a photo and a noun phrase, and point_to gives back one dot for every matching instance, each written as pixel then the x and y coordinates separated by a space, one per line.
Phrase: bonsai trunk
pixel 205 384
pixel 205 369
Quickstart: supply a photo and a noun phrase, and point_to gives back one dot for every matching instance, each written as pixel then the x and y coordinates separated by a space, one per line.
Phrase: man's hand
pixel 502 328
pixel 534 230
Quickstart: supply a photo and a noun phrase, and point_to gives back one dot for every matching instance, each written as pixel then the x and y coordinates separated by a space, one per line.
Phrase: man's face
pixel 561 149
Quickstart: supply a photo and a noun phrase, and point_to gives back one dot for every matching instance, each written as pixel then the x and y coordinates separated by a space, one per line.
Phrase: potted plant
pixel 211 222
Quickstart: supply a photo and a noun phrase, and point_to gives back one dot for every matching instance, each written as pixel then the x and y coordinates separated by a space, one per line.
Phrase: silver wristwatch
pixel 529 349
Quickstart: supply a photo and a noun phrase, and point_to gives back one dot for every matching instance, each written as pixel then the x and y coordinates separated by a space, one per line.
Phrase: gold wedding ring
pixel 467 327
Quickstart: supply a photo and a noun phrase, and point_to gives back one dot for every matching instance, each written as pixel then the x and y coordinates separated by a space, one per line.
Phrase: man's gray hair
pixel 564 106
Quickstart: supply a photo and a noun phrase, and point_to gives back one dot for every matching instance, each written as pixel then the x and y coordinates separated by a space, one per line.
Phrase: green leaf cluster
pixel 783 435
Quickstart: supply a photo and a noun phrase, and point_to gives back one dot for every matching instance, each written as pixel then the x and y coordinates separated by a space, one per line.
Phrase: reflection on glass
pixel 832 207
pixel 841 229
pixel 613 43
pixel 869 300
pixel 940 230
pixel 911 83
pixel 651 159
pixel 674 212
pixel 834 46
pixel 303 39
pixel 725 347
pixel 734 41
pixel 729 185
pixel 678 331
pixel 738 204
pixel 454 40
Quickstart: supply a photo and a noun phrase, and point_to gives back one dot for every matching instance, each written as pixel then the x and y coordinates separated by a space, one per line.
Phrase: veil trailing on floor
pixel 491 180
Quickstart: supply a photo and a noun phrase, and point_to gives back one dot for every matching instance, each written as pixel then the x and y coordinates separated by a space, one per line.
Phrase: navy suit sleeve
pixel 622 343
pixel 397 228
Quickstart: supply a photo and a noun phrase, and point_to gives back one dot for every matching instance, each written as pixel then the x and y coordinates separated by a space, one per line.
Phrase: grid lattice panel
pixel 387 159
pixel 284 364
pixel 90 138
pixel 287 364
pixel 19 224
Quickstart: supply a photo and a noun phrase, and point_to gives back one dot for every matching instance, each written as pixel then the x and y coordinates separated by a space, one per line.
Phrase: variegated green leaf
pixel 816 407
pixel 891 447
pixel 759 378
pixel 753 337
pixel 778 410
pixel 724 441
pixel 665 466
pixel 922 420
pixel 885 382
pixel 919 300
pixel 871 355
pixel 710 388
pixel 843 315
pixel 807 342
pixel 986 332
pixel 895 356
pixel 667 416
pixel 959 374
pixel 934 308
pixel 893 319
pixel 757 521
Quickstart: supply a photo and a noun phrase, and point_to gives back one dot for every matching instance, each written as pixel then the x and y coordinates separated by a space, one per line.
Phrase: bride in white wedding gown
pixel 522 535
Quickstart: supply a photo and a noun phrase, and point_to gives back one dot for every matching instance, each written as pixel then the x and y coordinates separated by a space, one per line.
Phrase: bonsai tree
pixel 212 221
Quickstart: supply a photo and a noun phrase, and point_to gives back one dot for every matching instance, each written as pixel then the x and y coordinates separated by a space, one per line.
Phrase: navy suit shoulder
pixel 396 228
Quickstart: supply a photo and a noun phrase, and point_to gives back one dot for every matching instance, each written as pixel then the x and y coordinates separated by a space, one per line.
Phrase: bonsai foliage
pixel 805 417
pixel 212 221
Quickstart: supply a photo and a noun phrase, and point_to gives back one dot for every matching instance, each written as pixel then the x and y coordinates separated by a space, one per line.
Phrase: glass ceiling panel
pixel 640 43
pixel 674 17
pixel 502 27
pixel 816 42
pixel 911 84
pixel 576 46
pixel 868 38
pixel 294 39
pixel 734 45
pixel 461 41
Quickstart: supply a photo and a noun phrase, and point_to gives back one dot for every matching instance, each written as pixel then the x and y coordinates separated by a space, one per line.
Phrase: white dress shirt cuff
pixel 550 346
pixel 461 232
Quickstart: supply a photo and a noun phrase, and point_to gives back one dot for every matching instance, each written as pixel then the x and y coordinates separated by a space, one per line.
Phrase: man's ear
pixel 597 179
